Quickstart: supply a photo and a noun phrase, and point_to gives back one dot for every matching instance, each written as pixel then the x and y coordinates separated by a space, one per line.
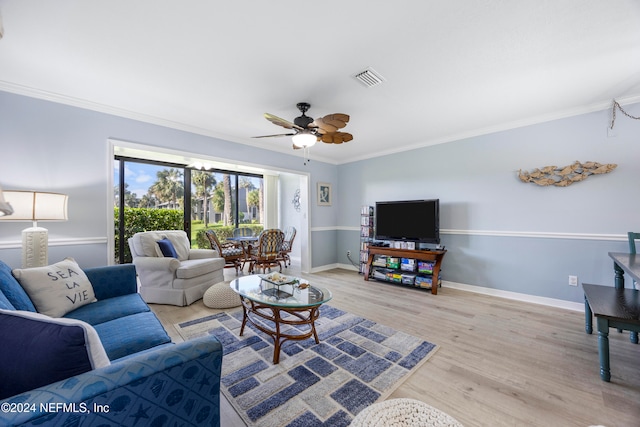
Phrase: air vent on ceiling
pixel 369 77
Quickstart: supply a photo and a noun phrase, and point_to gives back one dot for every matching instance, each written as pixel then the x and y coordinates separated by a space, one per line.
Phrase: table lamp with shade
pixel 5 207
pixel 35 206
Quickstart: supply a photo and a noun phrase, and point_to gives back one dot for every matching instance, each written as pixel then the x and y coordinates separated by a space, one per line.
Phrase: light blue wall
pixel 481 198
pixel 53 147
pixel 50 146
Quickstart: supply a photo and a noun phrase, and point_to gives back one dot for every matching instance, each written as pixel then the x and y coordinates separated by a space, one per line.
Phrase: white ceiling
pixel 453 68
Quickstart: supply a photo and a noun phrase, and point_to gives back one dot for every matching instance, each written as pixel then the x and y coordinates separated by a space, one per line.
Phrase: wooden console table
pixel 436 256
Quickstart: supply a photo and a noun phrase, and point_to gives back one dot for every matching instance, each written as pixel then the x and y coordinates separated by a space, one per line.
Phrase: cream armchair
pixel 179 280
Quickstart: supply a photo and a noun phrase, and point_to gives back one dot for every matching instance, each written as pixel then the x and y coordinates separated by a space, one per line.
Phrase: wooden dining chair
pixel 287 245
pixel 266 253
pixel 242 232
pixel 632 236
pixel 632 241
pixel 632 248
pixel 232 253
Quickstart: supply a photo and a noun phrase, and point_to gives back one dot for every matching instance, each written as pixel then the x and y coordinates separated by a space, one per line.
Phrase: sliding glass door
pixel 151 195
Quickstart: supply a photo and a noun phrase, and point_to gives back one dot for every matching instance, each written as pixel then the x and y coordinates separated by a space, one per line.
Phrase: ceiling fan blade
pixel 336 137
pixel 331 122
pixel 274 136
pixel 281 122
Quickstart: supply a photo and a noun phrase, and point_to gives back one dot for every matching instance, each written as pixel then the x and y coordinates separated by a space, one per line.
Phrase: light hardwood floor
pixel 499 363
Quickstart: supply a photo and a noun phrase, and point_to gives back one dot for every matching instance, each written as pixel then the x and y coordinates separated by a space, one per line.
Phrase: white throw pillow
pixel 56 289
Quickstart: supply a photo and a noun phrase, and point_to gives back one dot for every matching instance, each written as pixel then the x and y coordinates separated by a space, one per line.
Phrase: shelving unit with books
pixel 366 235
pixel 416 268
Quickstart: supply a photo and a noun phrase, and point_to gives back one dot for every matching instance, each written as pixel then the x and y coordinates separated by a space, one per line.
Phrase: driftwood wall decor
pixel 562 177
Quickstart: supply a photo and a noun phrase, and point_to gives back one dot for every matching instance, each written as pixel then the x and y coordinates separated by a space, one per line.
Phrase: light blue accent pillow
pixel 167 249
pixel 11 289
pixel 40 350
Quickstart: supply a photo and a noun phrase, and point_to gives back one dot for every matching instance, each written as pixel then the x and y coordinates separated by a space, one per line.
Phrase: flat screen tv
pixel 411 220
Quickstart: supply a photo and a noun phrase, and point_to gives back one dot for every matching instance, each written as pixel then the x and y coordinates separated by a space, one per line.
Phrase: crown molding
pixel 120 112
pixel 586 109
pixel 128 114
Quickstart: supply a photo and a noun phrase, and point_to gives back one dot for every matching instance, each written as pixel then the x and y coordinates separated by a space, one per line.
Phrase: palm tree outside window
pixel 156 195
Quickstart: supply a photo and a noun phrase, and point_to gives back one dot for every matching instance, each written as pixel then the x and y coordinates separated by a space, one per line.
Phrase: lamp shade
pixel 304 139
pixel 5 207
pixel 36 206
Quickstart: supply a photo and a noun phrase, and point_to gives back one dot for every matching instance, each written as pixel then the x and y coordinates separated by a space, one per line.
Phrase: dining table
pixel 247 243
pixel 626 263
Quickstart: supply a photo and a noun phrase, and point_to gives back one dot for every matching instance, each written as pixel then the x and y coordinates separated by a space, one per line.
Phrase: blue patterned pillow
pixel 167 249
pixel 13 291
pixel 5 303
pixel 40 350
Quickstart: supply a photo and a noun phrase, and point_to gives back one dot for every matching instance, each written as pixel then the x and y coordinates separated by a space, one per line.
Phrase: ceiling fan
pixel 307 131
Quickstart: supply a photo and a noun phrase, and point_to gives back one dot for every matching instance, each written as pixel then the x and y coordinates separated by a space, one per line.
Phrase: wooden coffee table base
pixel 305 316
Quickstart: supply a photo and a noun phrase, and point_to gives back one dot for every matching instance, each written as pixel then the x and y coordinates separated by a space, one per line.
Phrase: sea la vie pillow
pixel 56 289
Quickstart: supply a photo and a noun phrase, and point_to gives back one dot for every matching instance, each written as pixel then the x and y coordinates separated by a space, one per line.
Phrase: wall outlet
pixel 348 253
pixel 573 280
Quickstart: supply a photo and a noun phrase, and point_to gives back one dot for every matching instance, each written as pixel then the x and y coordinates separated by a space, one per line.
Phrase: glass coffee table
pixel 270 296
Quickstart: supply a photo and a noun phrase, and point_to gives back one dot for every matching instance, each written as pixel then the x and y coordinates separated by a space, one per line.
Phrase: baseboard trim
pixel 325 268
pixel 549 302
pixel 533 299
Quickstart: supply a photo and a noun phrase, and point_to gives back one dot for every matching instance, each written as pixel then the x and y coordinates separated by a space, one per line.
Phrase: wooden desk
pixel 630 264
pixel 613 308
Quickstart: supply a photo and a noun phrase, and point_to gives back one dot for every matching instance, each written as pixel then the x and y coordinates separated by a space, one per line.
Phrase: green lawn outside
pixel 222 232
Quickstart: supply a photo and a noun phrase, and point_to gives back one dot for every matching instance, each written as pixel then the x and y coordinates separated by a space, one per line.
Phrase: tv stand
pixel 430 255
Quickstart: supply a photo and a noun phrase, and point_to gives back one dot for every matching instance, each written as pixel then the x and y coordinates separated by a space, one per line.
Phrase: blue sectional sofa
pixel 134 375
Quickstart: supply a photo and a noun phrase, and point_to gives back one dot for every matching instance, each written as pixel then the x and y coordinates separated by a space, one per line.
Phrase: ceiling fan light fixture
pixel 304 139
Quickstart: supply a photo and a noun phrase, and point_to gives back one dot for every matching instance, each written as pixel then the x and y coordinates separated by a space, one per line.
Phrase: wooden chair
pixel 289 235
pixel 231 252
pixel 266 253
pixel 632 248
pixel 633 336
pixel 632 241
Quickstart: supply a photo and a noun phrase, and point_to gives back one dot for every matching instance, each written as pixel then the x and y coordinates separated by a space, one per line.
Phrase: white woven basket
pixel 403 413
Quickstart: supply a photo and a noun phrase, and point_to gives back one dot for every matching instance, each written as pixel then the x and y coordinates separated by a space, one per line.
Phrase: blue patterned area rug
pixel 357 363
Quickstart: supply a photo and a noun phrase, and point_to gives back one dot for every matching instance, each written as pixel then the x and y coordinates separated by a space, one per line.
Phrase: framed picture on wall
pixel 324 194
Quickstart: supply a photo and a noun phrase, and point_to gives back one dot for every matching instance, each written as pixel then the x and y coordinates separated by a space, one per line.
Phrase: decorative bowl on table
pixel 279 279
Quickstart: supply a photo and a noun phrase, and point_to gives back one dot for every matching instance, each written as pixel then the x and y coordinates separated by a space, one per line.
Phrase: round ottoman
pixel 403 413
pixel 220 295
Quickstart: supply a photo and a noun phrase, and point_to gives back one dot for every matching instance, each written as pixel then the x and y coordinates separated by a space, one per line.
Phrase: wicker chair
pixel 232 253
pixel 287 245
pixel 267 251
